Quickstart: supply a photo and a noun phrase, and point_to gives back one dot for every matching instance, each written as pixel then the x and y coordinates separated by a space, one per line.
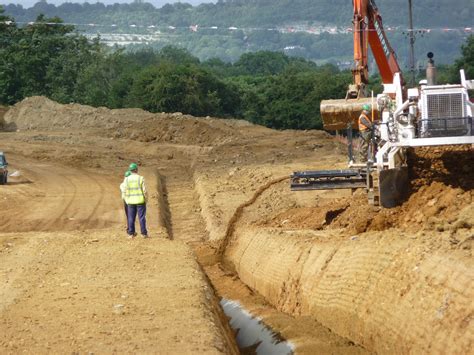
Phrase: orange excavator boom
pixel 367 31
pixel 360 71
pixel 382 51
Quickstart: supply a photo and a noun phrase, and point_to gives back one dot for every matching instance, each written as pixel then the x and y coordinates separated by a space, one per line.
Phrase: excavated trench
pixel 389 280
pixel 249 333
pixel 252 333
pixel 347 272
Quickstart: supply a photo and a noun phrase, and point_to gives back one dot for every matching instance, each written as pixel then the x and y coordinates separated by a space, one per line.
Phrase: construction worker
pixel 122 190
pixel 365 130
pixel 135 198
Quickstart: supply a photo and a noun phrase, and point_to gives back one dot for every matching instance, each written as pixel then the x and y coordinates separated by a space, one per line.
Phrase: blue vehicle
pixel 3 169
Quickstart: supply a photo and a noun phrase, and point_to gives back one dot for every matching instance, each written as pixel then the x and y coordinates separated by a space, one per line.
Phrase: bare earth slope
pixel 324 269
pixel 95 292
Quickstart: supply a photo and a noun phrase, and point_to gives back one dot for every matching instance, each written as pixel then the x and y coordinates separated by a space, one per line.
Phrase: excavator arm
pixel 360 71
pixel 383 52
pixel 367 31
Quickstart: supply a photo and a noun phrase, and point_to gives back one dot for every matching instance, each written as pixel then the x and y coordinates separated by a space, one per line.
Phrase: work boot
pixel 145 236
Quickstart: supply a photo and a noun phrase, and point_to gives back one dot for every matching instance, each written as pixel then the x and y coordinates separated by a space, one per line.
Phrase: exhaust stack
pixel 430 70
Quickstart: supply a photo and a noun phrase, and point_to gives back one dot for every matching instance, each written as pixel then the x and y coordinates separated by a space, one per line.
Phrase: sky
pixel 156 3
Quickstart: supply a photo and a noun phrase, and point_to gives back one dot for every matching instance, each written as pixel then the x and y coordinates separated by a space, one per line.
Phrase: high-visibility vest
pixel 133 190
pixel 362 126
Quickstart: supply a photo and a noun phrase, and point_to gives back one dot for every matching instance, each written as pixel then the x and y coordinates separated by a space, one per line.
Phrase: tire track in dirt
pixel 34 211
pixel 58 198
pixel 15 192
pixel 60 216
pixel 100 222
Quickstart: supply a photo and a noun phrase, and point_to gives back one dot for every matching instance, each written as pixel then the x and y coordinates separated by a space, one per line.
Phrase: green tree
pixel 64 70
pixel 184 88
pixel 466 61
pixel 262 63
pixel 177 55
pixel 42 59
pixel 9 81
pixel 106 81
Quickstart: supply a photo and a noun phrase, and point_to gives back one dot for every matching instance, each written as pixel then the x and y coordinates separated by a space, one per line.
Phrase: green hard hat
pixel 128 173
pixel 133 166
pixel 366 107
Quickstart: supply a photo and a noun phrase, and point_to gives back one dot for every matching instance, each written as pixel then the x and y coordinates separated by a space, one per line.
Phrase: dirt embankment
pixel 39 113
pixel 388 291
pixel 96 292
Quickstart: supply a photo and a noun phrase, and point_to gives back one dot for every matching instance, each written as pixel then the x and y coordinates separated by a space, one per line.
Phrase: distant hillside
pixel 317 30
pixel 427 13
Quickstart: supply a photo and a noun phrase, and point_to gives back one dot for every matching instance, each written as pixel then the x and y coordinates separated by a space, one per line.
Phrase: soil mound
pixel 442 186
pixel 451 166
pixel 430 207
pixel 3 110
pixel 176 129
pixel 40 113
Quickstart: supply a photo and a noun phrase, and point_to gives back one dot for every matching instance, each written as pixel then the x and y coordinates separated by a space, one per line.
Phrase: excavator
pixel 367 30
pixel 427 115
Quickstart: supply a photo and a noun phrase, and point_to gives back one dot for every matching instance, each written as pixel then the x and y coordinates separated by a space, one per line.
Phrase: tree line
pixel 426 13
pixel 270 88
pixel 254 17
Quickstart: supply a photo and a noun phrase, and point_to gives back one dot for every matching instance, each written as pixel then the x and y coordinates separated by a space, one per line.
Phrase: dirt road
pixel 51 197
pixel 93 290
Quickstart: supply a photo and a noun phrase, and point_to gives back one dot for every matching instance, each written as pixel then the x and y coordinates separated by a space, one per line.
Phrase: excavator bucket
pixel 337 114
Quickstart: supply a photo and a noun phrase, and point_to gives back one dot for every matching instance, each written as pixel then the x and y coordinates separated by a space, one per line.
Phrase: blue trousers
pixel 126 212
pixel 132 214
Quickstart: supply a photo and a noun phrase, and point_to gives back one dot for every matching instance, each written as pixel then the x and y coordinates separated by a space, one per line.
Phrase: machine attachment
pixel 328 179
pixel 387 188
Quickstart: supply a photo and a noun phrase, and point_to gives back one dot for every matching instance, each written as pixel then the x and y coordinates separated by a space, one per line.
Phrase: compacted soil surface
pixel 323 269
